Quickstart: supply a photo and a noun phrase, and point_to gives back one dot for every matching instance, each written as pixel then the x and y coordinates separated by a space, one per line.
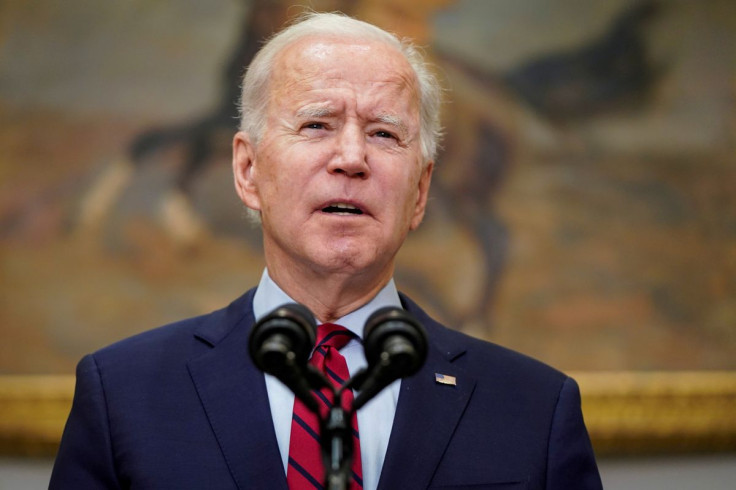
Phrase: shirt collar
pixel 270 296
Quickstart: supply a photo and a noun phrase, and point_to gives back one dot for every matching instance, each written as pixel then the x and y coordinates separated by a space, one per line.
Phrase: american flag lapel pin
pixel 445 379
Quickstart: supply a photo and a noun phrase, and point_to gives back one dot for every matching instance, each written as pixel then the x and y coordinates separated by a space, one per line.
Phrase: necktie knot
pixel 326 356
pixel 333 335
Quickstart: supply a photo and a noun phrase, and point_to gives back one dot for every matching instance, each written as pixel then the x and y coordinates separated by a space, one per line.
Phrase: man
pixel 335 156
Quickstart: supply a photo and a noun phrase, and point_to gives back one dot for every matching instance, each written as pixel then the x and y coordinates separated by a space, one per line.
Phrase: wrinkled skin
pixel 338 175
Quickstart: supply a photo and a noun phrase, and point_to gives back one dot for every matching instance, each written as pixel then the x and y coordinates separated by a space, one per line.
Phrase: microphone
pixel 280 344
pixel 395 345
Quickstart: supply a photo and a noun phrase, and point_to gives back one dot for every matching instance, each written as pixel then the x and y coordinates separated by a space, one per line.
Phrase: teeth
pixel 342 208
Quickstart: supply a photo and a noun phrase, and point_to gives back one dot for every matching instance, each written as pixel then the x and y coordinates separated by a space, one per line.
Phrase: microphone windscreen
pixel 395 333
pixel 288 328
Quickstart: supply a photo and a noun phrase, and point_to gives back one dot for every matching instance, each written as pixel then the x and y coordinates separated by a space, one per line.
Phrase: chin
pixel 344 257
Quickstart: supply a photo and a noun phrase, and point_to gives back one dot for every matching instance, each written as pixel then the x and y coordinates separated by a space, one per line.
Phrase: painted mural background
pixel 583 209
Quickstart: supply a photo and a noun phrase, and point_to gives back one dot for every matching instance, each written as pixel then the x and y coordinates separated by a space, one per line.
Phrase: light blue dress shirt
pixel 377 414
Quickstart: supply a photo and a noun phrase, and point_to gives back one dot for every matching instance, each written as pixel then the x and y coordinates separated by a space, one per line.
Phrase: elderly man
pixel 335 157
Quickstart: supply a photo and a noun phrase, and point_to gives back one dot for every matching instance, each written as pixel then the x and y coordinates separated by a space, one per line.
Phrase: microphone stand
pixel 337 434
pixel 336 430
pixel 336 440
pixel 337 445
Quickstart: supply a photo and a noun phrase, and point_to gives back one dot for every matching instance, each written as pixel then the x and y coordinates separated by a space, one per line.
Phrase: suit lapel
pixel 427 413
pixel 233 393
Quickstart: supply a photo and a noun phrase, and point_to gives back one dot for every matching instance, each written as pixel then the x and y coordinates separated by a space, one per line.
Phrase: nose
pixel 350 156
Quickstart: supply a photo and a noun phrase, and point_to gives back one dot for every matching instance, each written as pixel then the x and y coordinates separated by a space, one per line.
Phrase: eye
pixel 384 134
pixel 314 125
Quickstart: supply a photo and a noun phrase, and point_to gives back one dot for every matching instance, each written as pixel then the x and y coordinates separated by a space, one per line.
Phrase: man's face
pixel 338 174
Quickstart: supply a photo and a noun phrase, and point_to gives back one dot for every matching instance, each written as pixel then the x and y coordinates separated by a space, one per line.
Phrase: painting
pixel 583 207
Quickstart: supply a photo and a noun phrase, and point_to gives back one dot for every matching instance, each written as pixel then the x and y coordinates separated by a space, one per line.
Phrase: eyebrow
pixel 396 122
pixel 310 112
pixel 393 121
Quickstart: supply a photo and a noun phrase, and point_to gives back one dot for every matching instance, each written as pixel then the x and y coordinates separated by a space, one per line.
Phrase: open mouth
pixel 342 209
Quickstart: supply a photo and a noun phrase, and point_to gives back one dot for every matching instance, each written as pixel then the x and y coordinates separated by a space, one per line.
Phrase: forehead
pixel 371 69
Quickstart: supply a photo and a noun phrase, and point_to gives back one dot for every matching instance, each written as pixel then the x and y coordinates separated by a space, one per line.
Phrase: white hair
pixel 255 96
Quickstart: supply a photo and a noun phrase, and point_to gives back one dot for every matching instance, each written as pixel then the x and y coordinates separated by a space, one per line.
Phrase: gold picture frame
pixel 627 412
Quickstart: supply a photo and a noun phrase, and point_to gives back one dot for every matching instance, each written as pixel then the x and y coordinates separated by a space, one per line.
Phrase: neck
pixel 329 296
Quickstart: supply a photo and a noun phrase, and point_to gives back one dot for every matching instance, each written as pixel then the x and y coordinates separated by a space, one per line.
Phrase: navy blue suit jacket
pixel 183 407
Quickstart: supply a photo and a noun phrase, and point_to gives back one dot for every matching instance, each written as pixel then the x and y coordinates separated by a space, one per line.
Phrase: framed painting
pixel 583 209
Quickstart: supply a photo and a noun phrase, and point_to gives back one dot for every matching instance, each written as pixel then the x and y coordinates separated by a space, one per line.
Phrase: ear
pixel 244 171
pixel 423 192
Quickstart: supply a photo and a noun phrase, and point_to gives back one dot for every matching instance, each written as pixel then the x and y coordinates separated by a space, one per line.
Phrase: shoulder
pixel 178 340
pixel 528 410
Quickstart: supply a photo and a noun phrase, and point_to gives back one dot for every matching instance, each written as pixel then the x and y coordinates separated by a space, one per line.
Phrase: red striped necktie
pixel 305 470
